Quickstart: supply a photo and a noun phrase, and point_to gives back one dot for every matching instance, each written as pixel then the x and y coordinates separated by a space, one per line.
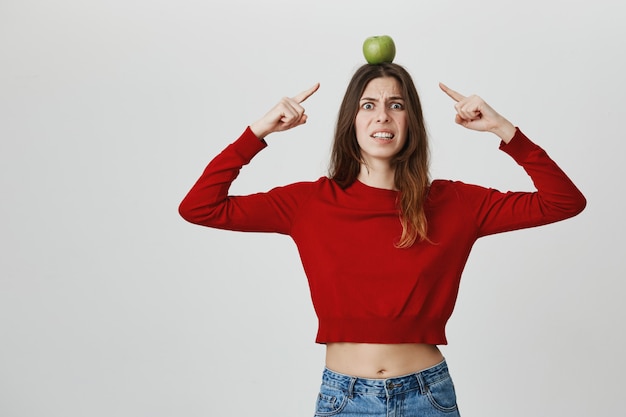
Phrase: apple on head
pixel 379 49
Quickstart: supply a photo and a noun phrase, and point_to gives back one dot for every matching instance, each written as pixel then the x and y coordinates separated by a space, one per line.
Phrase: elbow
pixel 580 204
pixel 189 212
pixel 574 207
pixel 563 207
pixel 201 214
pixel 185 211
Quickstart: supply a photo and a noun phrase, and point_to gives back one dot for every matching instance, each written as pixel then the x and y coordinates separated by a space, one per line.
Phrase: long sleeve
pixel 209 204
pixel 556 198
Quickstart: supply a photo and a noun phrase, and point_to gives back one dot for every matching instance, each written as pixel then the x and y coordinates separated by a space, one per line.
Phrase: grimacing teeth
pixel 383 135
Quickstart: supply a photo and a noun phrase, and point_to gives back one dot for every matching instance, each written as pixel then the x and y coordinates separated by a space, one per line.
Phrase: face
pixel 381 122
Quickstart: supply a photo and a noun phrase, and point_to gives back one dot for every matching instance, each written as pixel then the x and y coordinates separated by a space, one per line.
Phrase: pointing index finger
pixel 299 98
pixel 451 93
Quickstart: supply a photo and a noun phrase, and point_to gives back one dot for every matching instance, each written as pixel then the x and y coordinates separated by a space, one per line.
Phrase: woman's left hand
pixel 474 113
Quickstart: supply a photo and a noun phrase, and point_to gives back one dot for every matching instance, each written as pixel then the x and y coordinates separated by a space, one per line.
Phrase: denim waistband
pixel 389 386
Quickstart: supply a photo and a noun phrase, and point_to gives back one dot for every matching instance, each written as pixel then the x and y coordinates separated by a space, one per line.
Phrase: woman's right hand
pixel 288 113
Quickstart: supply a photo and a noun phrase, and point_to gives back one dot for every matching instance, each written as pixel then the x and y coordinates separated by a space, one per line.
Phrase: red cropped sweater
pixel 363 288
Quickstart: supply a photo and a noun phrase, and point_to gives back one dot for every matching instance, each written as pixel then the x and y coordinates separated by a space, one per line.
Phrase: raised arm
pixel 556 198
pixel 208 203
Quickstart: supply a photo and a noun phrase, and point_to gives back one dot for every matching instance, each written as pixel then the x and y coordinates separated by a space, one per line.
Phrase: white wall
pixel 112 305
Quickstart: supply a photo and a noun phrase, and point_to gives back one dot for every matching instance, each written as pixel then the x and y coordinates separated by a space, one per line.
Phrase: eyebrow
pixel 375 99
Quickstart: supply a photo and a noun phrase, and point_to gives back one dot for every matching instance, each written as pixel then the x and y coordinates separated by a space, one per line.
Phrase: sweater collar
pixel 379 198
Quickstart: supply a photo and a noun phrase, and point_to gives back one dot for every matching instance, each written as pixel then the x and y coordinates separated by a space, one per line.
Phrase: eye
pixel 396 106
pixel 367 106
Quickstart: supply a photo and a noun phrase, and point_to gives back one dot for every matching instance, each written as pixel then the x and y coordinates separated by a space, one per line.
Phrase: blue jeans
pixel 428 393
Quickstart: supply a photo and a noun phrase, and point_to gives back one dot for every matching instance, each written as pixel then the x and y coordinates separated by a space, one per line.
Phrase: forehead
pixel 382 87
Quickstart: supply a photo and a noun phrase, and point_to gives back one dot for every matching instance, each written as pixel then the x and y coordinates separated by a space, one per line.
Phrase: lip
pixel 393 135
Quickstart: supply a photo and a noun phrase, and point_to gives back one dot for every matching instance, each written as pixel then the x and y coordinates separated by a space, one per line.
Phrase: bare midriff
pixel 380 361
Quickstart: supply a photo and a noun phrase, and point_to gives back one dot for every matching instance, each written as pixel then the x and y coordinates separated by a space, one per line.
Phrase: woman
pixel 383 247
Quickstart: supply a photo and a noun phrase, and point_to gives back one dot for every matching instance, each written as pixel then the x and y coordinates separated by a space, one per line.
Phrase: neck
pixel 377 177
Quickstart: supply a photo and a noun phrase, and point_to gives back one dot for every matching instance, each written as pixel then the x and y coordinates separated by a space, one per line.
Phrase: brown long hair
pixel 411 163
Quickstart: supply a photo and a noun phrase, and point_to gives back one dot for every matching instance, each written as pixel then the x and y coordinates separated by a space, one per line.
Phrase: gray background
pixel 112 305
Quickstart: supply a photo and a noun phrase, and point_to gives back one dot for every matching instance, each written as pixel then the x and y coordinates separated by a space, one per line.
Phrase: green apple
pixel 379 49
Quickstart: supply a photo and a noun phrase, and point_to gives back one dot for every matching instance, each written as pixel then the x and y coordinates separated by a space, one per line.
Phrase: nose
pixel 382 116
